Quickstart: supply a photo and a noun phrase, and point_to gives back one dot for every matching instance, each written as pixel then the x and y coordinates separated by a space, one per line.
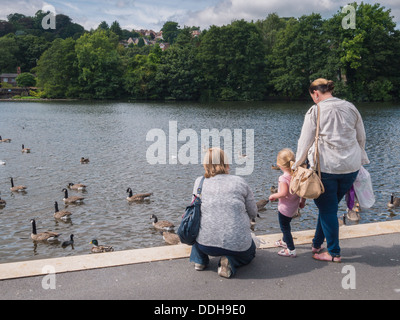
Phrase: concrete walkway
pixel 370 269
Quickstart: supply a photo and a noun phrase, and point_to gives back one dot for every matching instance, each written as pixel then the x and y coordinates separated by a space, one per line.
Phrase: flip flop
pixel 325 256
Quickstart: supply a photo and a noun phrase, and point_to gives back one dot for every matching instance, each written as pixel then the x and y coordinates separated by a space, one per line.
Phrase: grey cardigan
pixel 227 206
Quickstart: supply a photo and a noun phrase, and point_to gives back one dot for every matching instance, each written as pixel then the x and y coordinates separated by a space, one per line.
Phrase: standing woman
pixel 227 206
pixel 341 147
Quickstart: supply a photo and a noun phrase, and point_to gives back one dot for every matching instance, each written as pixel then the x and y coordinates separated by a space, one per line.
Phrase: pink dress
pixel 288 205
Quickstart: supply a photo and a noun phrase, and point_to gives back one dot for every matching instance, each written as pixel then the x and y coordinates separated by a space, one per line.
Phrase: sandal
pixel 281 243
pixel 315 250
pixel 288 253
pixel 325 256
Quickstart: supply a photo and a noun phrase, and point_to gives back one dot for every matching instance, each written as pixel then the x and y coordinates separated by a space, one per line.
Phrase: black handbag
pixel 190 224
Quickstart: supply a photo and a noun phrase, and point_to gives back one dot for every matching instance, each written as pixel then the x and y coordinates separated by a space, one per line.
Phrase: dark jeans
pixel 336 186
pixel 284 223
pixel 236 259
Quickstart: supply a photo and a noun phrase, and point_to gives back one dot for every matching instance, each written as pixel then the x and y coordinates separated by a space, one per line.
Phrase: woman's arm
pixel 307 137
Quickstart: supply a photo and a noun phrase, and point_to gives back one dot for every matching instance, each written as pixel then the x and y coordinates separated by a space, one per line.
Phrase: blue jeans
pixel 336 186
pixel 236 259
pixel 284 223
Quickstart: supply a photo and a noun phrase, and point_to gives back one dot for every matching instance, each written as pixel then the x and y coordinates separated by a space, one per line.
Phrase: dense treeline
pixel 274 57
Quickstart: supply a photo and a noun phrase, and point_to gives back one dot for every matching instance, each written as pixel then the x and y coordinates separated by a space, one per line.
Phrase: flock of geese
pixel 166 228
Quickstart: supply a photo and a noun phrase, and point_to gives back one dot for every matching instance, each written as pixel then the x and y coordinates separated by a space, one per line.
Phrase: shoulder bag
pixel 190 225
pixel 306 183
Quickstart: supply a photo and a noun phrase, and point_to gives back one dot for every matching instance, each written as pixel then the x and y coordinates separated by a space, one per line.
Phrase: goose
pixel 273 189
pixel 76 186
pixel 63 214
pixel 73 199
pixel 394 202
pixel 99 249
pixel 171 238
pixel 352 215
pixel 25 150
pixel 4 140
pixel 84 160
pixel 2 203
pixel 261 204
pixel 69 242
pixel 16 188
pixel 43 236
pixel 137 197
pixel 163 224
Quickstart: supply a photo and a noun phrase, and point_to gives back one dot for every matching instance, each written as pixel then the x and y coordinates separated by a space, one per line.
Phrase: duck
pixel 171 238
pixel 84 160
pixel 394 201
pixel 76 186
pixel 275 167
pixel 261 204
pixel 273 190
pixel 352 215
pixel 2 163
pixel 99 249
pixel 43 236
pixel 137 197
pixel 5 140
pixel 163 224
pixel 16 188
pixel 253 222
pixel 69 242
pixel 73 199
pixel 25 150
pixel 63 214
pixel 2 203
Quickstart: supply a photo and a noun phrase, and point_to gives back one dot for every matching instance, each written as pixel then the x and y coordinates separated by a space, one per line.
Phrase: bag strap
pixel 200 187
pixel 316 153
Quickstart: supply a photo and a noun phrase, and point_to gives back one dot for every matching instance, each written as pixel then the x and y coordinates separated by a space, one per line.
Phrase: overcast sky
pixel 152 14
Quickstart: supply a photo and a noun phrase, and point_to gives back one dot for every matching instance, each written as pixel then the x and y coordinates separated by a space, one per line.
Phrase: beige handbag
pixel 306 183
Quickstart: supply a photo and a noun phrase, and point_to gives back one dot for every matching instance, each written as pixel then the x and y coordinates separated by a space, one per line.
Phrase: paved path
pixel 374 261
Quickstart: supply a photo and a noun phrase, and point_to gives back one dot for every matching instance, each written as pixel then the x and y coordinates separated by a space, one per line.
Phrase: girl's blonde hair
pixel 215 162
pixel 285 158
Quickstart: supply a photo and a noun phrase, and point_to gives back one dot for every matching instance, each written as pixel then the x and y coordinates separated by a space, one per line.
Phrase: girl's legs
pixel 284 223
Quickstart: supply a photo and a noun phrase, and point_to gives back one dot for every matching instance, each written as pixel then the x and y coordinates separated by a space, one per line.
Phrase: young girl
pixel 288 203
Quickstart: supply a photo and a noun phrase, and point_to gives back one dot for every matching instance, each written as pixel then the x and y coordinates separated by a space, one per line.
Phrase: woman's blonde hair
pixel 215 162
pixel 322 85
pixel 285 158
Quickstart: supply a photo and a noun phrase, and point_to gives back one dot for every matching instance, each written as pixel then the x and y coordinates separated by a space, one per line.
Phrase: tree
pixel 170 31
pixel 116 28
pixel 99 65
pixel 8 51
pixel 26 80
pixel 57 71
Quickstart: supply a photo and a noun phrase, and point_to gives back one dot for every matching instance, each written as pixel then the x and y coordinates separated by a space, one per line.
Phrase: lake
pixel 154 147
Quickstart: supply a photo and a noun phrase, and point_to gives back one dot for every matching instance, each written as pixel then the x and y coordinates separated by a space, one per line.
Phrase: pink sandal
pixel 281 243
pixel 288 253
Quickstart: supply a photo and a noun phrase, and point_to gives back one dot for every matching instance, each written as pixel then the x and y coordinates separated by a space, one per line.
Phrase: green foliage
pixel 26 80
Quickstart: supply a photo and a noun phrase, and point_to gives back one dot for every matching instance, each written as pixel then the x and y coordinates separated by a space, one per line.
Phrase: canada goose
pixel 162 225
pixel 76 186
pixel 73 199
pixel 4 140
pixel 137 197
pixel 171 238
pixel 43 236
pixel 352 215
pixel 394 202
pixel 84 160
pixel 25 150
pixel 261 204
pixel 99 249
pixel 70 242
pixel 2 203
pixel 16 188
pixel 63 214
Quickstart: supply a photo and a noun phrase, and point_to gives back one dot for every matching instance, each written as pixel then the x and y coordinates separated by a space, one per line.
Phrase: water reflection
pixel 113 137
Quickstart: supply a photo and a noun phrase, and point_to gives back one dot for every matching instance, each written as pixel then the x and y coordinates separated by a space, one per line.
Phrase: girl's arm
pixel 283 192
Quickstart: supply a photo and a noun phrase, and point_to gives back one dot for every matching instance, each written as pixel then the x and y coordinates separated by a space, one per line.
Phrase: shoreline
pixel 39 267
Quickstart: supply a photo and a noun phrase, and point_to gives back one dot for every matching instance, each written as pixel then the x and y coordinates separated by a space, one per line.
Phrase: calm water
pixel 113 136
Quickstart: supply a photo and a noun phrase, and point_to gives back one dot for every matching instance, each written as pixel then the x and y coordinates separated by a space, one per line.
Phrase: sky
pixel 152 14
